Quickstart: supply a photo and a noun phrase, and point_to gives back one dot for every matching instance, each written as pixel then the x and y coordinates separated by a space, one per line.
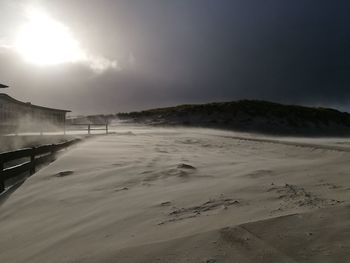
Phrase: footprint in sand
pixel 121 189
pixel 186 166
pixel 64 173
pixel 206 208
pixel 166 203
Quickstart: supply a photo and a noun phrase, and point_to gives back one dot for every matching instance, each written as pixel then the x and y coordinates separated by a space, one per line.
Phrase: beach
pixel 153 194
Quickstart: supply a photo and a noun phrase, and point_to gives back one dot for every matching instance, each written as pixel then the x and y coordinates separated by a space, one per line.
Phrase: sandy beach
pixel 149 194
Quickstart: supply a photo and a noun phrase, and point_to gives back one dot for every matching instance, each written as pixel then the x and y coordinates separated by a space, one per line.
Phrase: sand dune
pixel 183 195
pixel 308 237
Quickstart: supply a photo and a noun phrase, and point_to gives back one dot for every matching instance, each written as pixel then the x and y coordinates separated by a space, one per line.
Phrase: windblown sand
pixel 184 195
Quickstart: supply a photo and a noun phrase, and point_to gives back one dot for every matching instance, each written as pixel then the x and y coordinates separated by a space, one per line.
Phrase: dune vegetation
pixel 250 115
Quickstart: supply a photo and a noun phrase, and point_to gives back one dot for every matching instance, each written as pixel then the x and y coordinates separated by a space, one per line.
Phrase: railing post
pixel 2 181
pixel 64 126
pixel 89 129
pixel 107 128
pixel 32 162
pixel 54 149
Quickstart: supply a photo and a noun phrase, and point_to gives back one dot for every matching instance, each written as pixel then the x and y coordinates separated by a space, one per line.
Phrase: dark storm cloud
pixel 198 51
pixel 277 50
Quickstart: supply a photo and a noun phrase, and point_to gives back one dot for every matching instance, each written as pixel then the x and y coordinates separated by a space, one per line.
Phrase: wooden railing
pixel 35 156
pixel 88 127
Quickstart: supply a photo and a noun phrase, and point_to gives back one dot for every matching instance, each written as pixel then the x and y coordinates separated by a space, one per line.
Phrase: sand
pixel 184 195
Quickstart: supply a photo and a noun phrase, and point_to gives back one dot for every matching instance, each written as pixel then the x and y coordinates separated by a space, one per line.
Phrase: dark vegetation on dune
pixel 250 116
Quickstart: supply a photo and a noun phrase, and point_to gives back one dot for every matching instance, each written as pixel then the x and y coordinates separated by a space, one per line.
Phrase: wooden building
pixel 15 115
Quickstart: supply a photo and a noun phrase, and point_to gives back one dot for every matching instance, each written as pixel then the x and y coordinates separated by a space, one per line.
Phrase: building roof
pixel 2 86
pixel 28 104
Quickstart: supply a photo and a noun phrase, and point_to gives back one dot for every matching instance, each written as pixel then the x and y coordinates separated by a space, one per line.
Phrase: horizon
pixel 137 55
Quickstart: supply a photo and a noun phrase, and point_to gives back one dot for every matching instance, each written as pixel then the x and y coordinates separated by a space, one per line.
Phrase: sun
pixel 45 41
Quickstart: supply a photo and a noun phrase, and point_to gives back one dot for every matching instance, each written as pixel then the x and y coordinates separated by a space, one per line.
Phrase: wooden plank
pixel 44 159
pixel 16 170
pixel 43 149
pixel 10 156
pixel 46 150
pixel 86 124
pixel 67 144
pixel 2 179
pixel 84 129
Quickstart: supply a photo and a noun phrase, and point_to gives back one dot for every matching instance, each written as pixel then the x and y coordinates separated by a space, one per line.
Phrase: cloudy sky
pixel 107 56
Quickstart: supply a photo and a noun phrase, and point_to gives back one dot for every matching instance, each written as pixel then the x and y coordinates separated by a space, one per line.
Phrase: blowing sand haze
pixel 183 195
pixel 174 131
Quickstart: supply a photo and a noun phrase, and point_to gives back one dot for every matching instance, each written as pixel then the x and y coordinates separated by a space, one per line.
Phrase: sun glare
pixel 44 41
